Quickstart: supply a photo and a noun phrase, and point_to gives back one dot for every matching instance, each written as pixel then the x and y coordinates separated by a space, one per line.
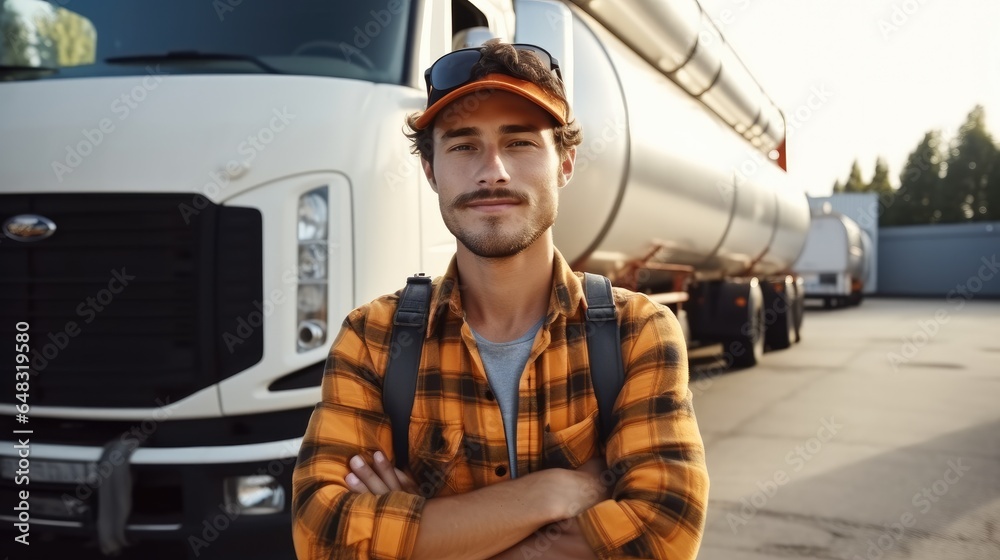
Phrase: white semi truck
pixel 193 194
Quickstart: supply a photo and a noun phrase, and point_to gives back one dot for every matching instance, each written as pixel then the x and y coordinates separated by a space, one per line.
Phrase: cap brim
pixel 502 82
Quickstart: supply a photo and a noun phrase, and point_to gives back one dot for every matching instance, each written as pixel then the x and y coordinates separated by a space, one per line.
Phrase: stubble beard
pixel 491 242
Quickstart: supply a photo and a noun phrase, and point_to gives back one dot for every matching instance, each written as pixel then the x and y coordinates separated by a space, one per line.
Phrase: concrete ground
pixel 876 438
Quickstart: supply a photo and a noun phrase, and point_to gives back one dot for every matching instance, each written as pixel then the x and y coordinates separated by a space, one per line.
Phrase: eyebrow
pixel 475 131
pixel 461 132
pixel 518 128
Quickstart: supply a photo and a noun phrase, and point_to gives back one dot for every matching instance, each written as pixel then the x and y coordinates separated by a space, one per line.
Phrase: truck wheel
pixel 747 348
pixel 800 308
pixel 779 314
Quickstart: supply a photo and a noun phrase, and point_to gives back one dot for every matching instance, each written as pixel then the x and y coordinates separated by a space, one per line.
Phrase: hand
pixel 576 491
pixel 597 469
pixel 382 479
pixel 584 487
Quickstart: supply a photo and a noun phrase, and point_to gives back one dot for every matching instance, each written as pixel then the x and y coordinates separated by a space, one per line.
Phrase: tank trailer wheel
pixel 779 313
pixel 748 347
pixel 800 308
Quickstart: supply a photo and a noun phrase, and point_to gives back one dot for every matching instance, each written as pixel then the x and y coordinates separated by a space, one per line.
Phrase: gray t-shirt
pixel 504 363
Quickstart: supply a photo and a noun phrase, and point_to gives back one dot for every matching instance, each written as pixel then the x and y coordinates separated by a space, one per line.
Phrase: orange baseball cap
pixel 502 82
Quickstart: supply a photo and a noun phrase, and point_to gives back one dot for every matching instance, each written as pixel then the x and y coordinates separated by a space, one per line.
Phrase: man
pixel 505 459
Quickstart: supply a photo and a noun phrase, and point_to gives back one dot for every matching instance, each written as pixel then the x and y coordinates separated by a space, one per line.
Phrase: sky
pixel 858 79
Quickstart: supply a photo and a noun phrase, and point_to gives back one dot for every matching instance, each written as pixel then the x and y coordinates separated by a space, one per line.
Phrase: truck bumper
pixel 178 499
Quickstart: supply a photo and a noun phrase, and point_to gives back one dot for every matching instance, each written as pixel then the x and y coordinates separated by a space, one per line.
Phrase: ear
pixel 429 173
pixel 567 167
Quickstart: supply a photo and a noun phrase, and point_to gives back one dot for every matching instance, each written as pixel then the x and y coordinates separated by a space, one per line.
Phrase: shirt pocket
pixel 572 446
pixel 438 466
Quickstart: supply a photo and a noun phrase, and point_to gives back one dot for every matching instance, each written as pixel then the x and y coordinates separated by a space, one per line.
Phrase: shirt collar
pixel 567 293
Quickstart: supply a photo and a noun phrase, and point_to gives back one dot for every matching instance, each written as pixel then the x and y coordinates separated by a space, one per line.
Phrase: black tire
pixel 856 298
pixel 747 348
pixel 800 308
pixel 779 315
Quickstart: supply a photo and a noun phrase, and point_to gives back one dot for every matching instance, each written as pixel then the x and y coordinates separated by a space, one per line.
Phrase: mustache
pixel 488 194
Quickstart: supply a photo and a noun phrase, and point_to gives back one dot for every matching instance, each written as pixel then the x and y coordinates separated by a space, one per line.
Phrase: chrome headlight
pixel 314 215
pixel 313 269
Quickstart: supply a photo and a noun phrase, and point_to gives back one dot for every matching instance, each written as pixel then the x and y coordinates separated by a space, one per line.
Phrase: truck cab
pixel 217 181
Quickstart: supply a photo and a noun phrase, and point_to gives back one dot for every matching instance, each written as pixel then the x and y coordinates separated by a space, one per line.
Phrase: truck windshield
pixel 359 39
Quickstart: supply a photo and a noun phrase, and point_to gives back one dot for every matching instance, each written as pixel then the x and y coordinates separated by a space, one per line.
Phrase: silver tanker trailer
pixel 682 192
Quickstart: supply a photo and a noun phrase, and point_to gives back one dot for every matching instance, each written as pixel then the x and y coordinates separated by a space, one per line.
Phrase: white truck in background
pixel 193 194
pixel 836 263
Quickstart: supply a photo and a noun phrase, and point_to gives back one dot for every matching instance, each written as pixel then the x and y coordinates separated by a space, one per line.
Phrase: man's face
pixel 497 172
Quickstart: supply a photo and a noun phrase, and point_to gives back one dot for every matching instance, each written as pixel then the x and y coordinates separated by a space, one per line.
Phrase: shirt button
pixel 489 395
pixel 501 470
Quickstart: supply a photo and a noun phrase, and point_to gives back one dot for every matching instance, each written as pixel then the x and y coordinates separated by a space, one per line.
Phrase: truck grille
pixel 129 299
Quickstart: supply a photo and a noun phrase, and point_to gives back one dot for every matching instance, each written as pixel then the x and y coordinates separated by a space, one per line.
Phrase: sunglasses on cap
pixel 454 69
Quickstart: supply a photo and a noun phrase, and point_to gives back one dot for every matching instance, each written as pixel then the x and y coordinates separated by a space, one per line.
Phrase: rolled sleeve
pixel 659 503
pixel 328 520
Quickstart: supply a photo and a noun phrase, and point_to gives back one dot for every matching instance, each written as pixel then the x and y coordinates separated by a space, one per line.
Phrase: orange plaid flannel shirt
pixel 456 433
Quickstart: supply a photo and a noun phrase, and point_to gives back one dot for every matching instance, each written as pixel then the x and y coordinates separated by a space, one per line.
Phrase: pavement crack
pixel 991 533
pixel 802 551
pixel 835 527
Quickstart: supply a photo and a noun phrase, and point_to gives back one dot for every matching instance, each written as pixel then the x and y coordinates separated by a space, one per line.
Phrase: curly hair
pixel 503 58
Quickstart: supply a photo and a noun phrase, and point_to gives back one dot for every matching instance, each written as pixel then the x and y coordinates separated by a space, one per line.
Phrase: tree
pixel 883 189
pixel 993 193
pixel 74 36
pixel 880 179
pixel 919 183
pixel 963 194
pixel 40 35
pixel 838 187
pixel 854 181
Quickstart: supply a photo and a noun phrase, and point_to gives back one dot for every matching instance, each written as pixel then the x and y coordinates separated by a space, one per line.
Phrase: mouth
pixel 490 200
pixel 493 205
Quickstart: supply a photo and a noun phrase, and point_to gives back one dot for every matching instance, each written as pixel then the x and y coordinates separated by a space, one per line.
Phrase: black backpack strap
pixel 400 383
pixel 604 349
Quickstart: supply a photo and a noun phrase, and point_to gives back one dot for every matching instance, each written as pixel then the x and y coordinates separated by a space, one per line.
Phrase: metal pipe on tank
pixel 682 42
pixel 664 33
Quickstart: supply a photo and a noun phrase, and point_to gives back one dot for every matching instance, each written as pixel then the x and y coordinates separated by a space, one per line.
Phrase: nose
pixel 492 171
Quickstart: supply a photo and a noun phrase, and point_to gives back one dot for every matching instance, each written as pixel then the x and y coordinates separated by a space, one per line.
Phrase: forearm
pixel 487 521
pixel 652 516
pixel 555 541
pixel 330 523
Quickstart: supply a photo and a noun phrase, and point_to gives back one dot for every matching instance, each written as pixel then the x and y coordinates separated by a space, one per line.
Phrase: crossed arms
pixel 460 527
pixel 658 504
